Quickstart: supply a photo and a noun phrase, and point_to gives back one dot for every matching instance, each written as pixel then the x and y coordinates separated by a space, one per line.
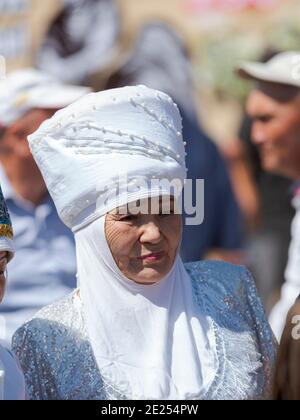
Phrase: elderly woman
pixel 141 325
pixel 12 385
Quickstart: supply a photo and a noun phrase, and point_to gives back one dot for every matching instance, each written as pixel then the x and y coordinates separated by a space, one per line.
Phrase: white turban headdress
pixel 100 152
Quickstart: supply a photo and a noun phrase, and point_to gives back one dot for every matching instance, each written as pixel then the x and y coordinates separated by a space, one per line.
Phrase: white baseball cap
pixel 283 68
pixel 27 89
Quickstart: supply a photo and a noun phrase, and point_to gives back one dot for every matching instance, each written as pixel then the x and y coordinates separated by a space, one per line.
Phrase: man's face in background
pixel 275 112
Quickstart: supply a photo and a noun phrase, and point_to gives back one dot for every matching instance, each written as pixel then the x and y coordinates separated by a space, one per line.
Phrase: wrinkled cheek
pixel 134 267
pixel 121 266
pixel 124 264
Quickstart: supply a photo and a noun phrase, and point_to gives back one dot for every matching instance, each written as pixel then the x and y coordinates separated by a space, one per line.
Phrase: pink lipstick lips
pixel 153 257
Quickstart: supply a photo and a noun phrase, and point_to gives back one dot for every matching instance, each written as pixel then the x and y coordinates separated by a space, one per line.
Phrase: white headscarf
pixel 149 342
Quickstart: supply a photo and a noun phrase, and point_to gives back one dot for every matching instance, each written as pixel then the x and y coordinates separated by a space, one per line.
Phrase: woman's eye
pixel 128 218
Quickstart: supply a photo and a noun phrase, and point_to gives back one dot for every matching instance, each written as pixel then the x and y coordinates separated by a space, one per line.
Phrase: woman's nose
pixel 150 233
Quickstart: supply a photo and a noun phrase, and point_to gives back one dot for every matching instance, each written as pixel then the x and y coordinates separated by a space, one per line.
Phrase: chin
pixel 149 276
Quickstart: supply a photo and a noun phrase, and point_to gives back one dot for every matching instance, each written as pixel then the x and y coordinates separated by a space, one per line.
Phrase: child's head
pixel 287 376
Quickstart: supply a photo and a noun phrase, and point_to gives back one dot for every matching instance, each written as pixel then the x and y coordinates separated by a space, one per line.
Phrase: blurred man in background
pixel 274 107
pixel 44 267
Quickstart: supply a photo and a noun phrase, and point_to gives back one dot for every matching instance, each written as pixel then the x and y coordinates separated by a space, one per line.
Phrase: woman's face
pixel 3 263
pixel 144 246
